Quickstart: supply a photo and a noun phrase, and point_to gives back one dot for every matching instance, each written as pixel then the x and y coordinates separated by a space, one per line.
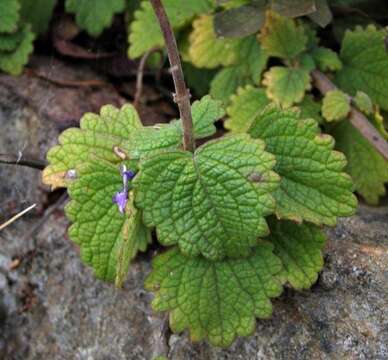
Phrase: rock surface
pixel 51 306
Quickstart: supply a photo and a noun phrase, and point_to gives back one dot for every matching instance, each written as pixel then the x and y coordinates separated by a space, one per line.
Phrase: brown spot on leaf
pixel 120 152
pixel 255 177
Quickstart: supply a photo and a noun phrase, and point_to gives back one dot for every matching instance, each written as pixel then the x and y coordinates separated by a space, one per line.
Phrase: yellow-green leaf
pixel 286 86
pixel 335 105
pixel 282 37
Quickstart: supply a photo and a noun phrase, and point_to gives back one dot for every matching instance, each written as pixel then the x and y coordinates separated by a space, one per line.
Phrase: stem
pixel 356 118
pixel 140 74
pixel 21 161
pixel 182 95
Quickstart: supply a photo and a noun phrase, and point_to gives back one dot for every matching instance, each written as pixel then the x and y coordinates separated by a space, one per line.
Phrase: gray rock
pixel 63 312
pixel 5 263
pixel 33 111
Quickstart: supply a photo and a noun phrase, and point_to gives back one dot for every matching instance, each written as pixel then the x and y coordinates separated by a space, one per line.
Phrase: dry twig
pixel 15 217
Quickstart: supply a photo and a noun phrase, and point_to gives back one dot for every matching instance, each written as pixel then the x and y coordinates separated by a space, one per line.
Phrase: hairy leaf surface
pixel 299 248
pixel 366 166
pixel 313 186
pixel 108 239
pixel 213 202
pixel 218 300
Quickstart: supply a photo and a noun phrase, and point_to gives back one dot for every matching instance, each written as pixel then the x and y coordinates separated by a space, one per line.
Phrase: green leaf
pixel 118 133
pixel 306 62
pixel 311 34
pixel 313 186
pixel 326 59
pixel 240 21
pixel 9 42
pixel 299 248
pixel 144 31
pixel 9 15
pixel 215 300
pixel 227 81
pixel 94 16
pixel 252 61
pixel 140 40
pixel 198 80
pixel 204 113
pixel 37 13
pixel 97 138
pixel 208 51
pixel 282 37
pixel 293 8
pixel 366 166
pixel 310 109
pixel 244 107
pixel 379 123
pixel 108 239
pixel 212 202
pixel 286 86
pixel 13 62
pixel 363 102
pixel 135 237
pixel 335 105
pixel 365 64
pixel 253 57
pixel 323 15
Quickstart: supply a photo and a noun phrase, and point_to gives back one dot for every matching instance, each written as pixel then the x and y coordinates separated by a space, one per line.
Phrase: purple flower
pixel 121 197
pixel 127 175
